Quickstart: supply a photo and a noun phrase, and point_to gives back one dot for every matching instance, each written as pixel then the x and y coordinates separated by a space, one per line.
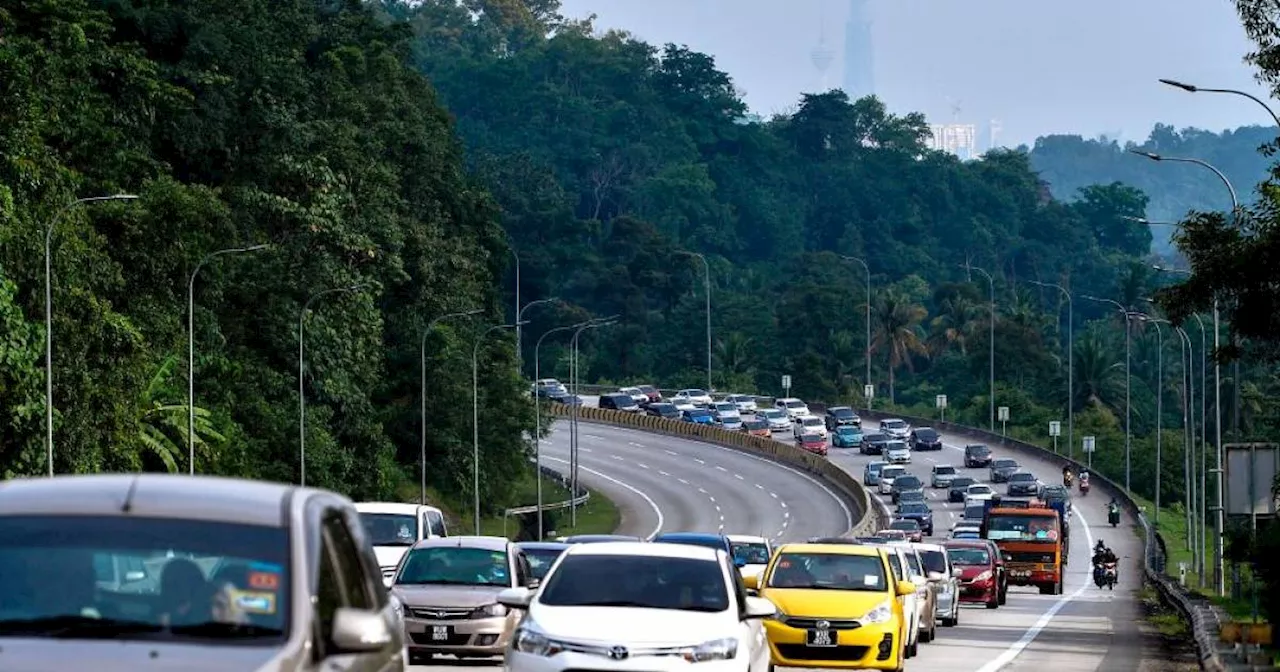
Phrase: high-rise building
pixel 859 56
pixel 822 56
pixel 958 139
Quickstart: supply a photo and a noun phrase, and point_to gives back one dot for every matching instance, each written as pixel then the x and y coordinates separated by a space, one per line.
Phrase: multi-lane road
pixel 663 483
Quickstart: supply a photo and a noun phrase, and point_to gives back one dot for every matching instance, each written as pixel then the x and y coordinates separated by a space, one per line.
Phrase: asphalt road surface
pixel 668 484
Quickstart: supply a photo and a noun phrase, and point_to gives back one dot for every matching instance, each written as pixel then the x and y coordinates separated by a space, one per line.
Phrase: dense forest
pixel 414 150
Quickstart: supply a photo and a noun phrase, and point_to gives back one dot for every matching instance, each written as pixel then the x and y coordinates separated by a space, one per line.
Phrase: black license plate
pixel 441 633
pixel 821 638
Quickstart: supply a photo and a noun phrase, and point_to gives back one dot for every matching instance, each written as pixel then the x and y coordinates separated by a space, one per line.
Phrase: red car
pixel 814 443
pixel 910 528
pixel 979 580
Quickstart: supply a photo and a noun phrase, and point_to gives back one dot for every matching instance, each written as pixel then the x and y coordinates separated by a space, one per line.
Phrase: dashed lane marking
pixel 671 452
pixel 699 461
pixel 619 458
pixel 642 465
pixel 663 473
pixel 739 477
pixel 682 481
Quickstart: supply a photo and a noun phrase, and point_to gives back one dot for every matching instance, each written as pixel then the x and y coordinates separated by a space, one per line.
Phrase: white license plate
pixel 824 638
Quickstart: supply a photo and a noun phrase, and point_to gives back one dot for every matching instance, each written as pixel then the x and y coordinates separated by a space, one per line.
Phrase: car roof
pixel 152 495
pixel 926 546
pixel 393 507
pixel 644 549
pixel 943 466
pixel 699 536
pixel 747 538
pixel 466 541
pixel 542 545
pixel 966 543
pixel 852 548
pixel 596 538
pixel 838 408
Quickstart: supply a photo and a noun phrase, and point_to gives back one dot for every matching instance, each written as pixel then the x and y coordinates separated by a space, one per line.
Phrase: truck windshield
pixel 390 529
pixel 1010 527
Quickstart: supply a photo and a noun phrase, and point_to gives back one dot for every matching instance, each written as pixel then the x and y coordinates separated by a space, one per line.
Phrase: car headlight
pixel 985 576
pixel 529 640
pixel 716 649
pixel 397 607
pixel 489 610
pixel 881 614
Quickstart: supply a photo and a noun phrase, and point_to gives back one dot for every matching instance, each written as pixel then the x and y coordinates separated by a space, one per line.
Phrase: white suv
pixel 794 408
pixel 810 424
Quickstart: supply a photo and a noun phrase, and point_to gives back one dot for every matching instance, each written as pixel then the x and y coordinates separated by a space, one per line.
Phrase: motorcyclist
pixel 1066 475
pixel 1102 554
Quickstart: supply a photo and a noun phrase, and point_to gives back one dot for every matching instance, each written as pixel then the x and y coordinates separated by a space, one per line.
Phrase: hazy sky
pixel 1084 66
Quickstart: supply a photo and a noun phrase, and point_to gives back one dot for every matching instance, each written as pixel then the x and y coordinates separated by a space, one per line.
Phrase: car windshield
pixel 895 445
pixel 772 413
pixel 962 482
pixel 914 508
pixel 541 559
pixel 624 400
pixel 892 472
pixel 828 571
pixel 841 412
pixel 846 430
pixel 1022 477
pixel 1004 464
pixel 732 408
pixel 910 495
pixel 750 552
pixel 977 450
pixel 699 413
pixel 756 424
pixel 647 389
pixel 969 556
pixel 454 566
pixel 907 482
pixel 934 561
pixel 795 403
pixel 974 512
pixel 695 393
pixel 893 424
pixel 390 529
pixel 904 525
pixel 926 434
pixel 645 582
pixel 131 577
pixel 944 471
pixel 875 467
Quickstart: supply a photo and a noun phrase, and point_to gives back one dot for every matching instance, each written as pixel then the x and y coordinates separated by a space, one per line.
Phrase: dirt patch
pixel 1167 642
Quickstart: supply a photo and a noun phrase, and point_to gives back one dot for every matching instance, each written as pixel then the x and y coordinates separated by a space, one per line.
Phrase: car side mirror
pixel 533 583
pixel 905 588
pixel 758 607
pixel 515 598
pixel 359 631
pixel 957 572
pixel 751 582
pixel 739 563
pixel 936 576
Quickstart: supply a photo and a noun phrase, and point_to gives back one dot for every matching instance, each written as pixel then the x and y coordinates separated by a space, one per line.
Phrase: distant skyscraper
pixel 859 55
pixel 822 56
pixel 958 139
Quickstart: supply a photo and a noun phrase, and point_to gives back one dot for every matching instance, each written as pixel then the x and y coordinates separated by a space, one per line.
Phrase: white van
pixel 394 527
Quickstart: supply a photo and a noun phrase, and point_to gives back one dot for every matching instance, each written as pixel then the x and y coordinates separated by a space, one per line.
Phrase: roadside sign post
pixel 1002 414
pixel 1088 449
pixel 1055 430
pixel 786 385
pixel 941 402
pixel 869 391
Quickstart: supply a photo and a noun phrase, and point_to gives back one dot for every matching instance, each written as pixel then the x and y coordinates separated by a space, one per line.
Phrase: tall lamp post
pixel 1155 322
pixel 574 374
pixel 1071 377
pixel 1220 579
pixel 706 288
pixel 475 416
pixel 866 270
pixel 1128 407
pixel 511 245
pixel 519 330
pixel 191 347
pixel 48 312
pixel 537 432
pixel 302 396
pixel 422 394
pixel 991 374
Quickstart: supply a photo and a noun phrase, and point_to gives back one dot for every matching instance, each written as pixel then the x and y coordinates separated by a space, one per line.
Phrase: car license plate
pixel 821 638
pixel 440 633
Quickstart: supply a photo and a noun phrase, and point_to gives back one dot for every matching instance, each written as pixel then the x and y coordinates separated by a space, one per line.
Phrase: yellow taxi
pixel 838 607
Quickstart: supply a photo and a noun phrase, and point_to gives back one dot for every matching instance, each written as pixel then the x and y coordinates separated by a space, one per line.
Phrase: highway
pixel 663 483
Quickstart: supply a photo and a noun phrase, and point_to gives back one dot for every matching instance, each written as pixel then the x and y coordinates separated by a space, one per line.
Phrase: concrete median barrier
pixel 868 518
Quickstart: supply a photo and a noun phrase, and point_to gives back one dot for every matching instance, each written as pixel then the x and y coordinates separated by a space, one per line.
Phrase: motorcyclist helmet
pixel 1101 546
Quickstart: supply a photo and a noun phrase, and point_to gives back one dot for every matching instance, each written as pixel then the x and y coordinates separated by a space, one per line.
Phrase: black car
pixel 841 415
pixel 873 444
pixel 1023 484
pixel 919 512
pixel 619 402
pixel 904 483
pixel 541 555
pixel 925 438
pixel 974 513
pixel 959 486
pixel 977 455
pixel 663 410
pixel 1002 469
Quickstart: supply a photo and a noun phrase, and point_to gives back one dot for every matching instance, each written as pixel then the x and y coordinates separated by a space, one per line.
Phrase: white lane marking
pixel 773 495
pixel 585 450
pixel 671 452
pixel 642 465
pixel 759 487
pixel 722 469
pixel 682 481
pixel 637 445
pixel 1040 624
pixel 648 500
pixel 618 458
pixel 718 509
pixel 663 473
pixel 713 500
pixel 597 437
pixel 784 504
pixel 739 477
pixel 699 461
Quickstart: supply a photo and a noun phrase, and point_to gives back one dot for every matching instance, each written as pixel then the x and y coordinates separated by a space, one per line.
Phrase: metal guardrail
pixel 868 518
pixel 582 497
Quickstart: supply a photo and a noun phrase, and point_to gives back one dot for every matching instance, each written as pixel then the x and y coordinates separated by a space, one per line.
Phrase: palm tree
pixel 733 358
pixel 898 330
pixel 952 326
pixel 162 427
pixel 1099 379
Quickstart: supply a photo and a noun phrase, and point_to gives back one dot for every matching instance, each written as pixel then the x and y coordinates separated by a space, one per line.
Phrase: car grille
pixel 802 652
pixel 812 623
pixel 440 613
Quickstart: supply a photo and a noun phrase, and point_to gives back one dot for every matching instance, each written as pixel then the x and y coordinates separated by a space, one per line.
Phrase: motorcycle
pixel 1067 478
pixel 1113 515
pixel 1105 574
pixel 1084 487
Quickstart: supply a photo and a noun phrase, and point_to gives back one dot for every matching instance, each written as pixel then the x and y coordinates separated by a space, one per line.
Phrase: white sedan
pixel 638 606
pixel 810 424
pixel 977 493
pixel 699 398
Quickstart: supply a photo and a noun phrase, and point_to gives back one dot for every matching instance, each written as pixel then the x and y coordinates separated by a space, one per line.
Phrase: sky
pixel 1086 67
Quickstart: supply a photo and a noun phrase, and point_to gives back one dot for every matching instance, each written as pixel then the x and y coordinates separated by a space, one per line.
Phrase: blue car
pixel 699 417
pixel 696 539
pixel 919 512
pixel 846 436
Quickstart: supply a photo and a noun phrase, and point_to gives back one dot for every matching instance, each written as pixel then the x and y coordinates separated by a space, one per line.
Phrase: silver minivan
pixel 126 572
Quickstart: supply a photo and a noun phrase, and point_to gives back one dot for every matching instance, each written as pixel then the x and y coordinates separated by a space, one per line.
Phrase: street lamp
pixel 1071 377
pixel 511 245
pixel 706 286
pixel 1191 88
pixel 302 396
pixel 991 375
pixel 475 416
pixel 191 347
pixel 867 270
pixel 1220 579
pixel 573 415
pixel 519 330
pixel 537 401
pixel 1128 437
pixel 422 358
pixel 48 313
pixel 1155 322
